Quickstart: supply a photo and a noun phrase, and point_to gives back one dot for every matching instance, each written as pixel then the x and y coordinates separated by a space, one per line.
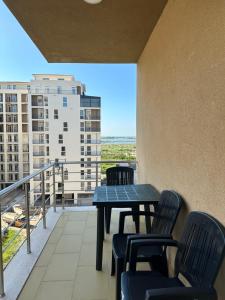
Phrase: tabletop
pixel 125 194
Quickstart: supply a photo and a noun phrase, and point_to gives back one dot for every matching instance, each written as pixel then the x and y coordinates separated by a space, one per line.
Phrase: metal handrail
pixel 57 169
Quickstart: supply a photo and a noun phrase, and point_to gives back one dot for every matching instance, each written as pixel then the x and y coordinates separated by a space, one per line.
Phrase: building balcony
pixel 66 265
pixel 93 153
pixel 92 176
pixel 38 141
pixel 38 166
pixel 92 142
pixel 38 117
pixel 39 153
pixel 38 128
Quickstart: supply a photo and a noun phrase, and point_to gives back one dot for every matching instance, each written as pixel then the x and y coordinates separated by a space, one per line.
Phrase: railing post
pixel 63 196
pixel 43 198
pixel 54 196
pixel 27 203
pixel 2 292
pixel 96 171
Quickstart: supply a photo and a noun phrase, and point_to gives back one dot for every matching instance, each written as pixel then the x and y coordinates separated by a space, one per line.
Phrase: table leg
pixel 147 218
pixel 100 237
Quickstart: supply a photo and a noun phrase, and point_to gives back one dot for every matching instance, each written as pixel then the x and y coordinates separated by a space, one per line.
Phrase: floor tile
pixel 34 281
pixel 97 283
pixel 61 290
pixel 66 267
pixel 74 227
pixel 46 255
pixel 55 235
pixel 62 267
pixel 78 216
pixel 69 244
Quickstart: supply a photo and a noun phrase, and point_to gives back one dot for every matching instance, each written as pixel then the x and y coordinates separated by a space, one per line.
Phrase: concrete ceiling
pixel 114 31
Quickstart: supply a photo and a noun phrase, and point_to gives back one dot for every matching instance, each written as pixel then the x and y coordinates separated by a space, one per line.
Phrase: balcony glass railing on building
pixel 93 153
pixel 39 153
pixel 92 141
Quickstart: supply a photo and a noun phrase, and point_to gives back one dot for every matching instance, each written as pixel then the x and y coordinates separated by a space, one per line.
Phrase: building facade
pixel 45 119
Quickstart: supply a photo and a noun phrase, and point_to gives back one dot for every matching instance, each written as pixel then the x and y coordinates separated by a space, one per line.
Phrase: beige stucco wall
pixel 181 108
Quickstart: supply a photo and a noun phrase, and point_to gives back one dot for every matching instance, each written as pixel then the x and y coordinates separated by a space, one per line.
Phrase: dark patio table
pixel 119 196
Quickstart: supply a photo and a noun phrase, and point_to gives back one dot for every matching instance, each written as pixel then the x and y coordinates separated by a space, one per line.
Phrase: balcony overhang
pixel 113 31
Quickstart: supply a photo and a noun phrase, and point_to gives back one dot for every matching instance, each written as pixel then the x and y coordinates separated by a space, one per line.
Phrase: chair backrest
pixel 201 250
pixel 166 213
pixel 119 176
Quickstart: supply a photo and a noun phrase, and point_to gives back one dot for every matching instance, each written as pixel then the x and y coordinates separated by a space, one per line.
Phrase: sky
pixel 114 83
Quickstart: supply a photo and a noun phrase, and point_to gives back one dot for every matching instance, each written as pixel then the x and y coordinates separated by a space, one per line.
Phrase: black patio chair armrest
pixel 135 245
pixel 144 237
pixel 124 214
pixel 181 293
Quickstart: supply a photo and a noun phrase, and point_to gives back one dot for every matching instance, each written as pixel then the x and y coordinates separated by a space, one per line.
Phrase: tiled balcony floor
pixel 66 268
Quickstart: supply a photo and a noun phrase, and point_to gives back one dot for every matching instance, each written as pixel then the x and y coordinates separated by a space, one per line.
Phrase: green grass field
pixel 13 247
pixel 117 152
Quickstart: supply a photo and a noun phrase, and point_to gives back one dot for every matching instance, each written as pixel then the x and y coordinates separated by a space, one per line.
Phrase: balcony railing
pixel 93 153
pixel 39 142
pixel 92 141
pixel 37 197
pixel 39 153
pixel 38 128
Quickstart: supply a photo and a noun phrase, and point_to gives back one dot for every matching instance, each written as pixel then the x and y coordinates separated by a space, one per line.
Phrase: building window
pixel 56 114
pixel 1 97
pixel 65 126
pixel 81 126
pixel 88 164
pixel 82 165
pixel 73 90
pixel 82 174
pixel 64 101
pixel 59 90
pixel 14 87
pixel 89 186
pixel 81 114
pixel 60 139
pixel 63 150
pixel 82 186
pixel 66 174
pixel 59 186
pixel 46 101
pixel 82 150
pixel 46 113
pixel 82 138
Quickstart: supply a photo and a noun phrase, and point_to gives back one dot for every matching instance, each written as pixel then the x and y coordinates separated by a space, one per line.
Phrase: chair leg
pixel 113 265
pixel 108 211
pixel 119 270
pixel 136 219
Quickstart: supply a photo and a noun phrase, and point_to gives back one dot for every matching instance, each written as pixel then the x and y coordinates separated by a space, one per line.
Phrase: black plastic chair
pixel 163 223
pixel 119 176
pixel 199 256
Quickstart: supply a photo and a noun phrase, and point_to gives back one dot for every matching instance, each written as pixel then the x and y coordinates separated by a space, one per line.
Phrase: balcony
pixel 93 153
pixel 39 153
pixel 38 116
pixel 59 251
pixel 38 128
pixel 38 141
pixel 88 141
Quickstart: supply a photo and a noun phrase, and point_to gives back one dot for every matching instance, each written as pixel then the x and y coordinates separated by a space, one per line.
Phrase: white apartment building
pixel 46 119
